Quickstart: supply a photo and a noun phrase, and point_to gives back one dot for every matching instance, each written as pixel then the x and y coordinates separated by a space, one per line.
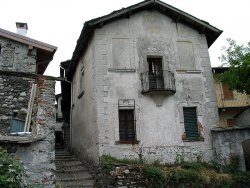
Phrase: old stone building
pixel 142 85
pixel 232 137
pixel 27 111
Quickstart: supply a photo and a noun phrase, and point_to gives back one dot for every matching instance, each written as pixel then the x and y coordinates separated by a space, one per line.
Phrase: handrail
pixel 162 80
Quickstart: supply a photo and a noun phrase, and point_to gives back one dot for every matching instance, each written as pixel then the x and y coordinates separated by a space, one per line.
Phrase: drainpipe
pixel 70 122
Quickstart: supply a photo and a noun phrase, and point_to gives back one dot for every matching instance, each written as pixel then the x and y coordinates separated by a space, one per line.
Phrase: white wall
pixel 159 128
pixel 83 112
pixel 121 49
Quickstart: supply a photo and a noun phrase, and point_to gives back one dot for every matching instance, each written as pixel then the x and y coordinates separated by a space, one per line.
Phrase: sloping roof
pixel 45 52
pixel 211 32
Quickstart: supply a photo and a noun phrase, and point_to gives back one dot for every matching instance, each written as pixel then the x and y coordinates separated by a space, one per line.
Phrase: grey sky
pixel 59 22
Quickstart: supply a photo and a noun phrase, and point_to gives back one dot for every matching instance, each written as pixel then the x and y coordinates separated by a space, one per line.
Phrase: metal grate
pixel 127 120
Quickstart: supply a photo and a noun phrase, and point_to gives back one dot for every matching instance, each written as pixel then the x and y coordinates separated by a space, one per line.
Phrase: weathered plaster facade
pixel 111 69
pixel 228 143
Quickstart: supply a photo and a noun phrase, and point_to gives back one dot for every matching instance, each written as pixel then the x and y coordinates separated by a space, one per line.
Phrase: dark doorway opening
pixel 155 74
pixel 246 152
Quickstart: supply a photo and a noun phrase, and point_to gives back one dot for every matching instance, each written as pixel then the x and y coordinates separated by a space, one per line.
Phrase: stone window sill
pixel 180 71
pixel 20 139
pixel 121 70
pixel 193 140
pixel 133 142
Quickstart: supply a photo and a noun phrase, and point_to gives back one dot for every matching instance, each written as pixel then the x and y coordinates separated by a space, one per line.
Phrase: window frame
pixel 193 128
pixel 127 105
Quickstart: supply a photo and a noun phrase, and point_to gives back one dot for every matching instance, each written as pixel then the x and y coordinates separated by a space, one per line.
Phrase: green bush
pixel 10 171
pixel 180 177
pixel 241 180
pixel 154 176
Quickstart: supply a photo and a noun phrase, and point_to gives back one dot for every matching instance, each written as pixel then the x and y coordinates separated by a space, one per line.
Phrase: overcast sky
pixel 59 22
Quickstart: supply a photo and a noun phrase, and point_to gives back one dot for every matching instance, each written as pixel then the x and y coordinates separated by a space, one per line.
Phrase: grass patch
pixel 185 174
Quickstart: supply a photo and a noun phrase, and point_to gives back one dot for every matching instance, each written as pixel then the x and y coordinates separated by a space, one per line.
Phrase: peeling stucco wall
pixel 120 56
pixel 228 143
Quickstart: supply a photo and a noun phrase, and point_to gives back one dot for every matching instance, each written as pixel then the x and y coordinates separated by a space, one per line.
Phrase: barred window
pixel 127 125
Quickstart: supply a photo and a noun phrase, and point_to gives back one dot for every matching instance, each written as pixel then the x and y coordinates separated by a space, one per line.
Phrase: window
pixel 231 122
pixel 127 125
pixel 190 122
pixel 227 93
pixel 155 73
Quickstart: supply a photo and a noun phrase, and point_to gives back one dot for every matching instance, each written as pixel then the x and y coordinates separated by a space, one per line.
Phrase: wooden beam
pixel 29 75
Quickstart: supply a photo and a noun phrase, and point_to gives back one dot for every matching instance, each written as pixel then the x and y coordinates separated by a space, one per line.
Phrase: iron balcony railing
pixel 158 81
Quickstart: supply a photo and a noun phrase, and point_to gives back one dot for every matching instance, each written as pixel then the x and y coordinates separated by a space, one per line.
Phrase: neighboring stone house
pixel 142 85
pixel 27 111
pixel 232 138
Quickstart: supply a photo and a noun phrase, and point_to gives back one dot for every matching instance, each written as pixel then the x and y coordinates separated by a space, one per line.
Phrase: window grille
pixel 127 120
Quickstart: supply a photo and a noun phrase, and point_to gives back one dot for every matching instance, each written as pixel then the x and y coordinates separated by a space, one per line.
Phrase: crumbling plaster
pixel 228 143
pixel 159 128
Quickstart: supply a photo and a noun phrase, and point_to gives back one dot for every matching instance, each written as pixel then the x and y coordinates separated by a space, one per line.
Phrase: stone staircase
pixel 66 137
pixel 70 172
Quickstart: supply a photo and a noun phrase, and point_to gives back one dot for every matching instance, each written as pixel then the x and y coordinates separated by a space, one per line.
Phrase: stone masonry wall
pixel 16 56
pixel 14 91
pixel 14 98
pixel 38 157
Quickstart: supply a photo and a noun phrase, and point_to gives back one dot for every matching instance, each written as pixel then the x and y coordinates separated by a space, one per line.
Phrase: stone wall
pixel 15 91
pixel 16 56
pixel 38 154
pixel 244 118
pixel 14 98
pixel 228 142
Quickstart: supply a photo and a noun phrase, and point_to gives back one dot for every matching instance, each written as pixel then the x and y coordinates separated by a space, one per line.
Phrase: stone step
pixel 64 156
pixel 68 163
pixel 77 184
pixel 71 170
pixel 69 176
pixel 67 159
pixel 68 168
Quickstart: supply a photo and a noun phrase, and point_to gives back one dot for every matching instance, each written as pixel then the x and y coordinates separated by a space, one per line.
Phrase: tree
pixel 237 58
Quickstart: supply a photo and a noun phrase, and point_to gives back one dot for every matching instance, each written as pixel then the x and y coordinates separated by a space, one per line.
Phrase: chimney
pixel 21 28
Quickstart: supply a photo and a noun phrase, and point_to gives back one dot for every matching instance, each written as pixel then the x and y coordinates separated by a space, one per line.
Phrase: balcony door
pixel 155 74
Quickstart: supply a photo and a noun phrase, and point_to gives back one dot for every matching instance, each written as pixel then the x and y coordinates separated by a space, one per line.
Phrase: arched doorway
pixel 246 152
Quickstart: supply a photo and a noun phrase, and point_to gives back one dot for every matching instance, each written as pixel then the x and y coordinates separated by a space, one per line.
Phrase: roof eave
pixel 211 32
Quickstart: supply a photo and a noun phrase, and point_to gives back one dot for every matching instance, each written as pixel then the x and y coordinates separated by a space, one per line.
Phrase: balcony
pixel 160 82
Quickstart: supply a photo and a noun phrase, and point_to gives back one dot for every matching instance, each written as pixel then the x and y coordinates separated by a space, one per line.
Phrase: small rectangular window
pixel 127 125
pixel 227 93
pixel 190 122
pixel 231 122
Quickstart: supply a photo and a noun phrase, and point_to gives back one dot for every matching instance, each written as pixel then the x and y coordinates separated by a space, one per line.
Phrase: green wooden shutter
pixel 190 122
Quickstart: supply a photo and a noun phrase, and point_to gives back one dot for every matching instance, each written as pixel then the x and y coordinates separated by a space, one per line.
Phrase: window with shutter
pixel 190 122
